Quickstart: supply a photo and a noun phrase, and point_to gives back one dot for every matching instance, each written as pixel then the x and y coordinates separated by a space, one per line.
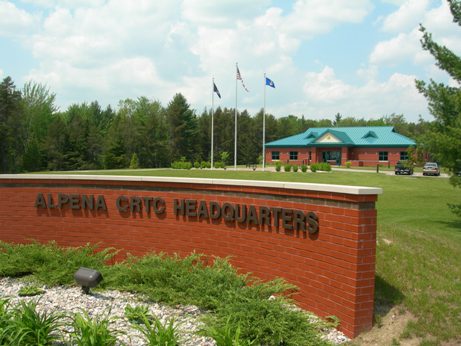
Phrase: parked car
pixel 403 167
pixel 431 168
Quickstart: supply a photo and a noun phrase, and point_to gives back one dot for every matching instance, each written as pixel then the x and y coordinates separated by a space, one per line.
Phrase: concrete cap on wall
pixel 345 189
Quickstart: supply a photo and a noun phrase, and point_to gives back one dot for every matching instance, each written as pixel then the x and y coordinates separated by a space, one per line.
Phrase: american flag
pixel 239 77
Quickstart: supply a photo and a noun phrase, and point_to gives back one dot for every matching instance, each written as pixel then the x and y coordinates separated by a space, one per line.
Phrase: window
pixel 275 155
pixel 382 156
pixel 404 155
pixel 310 155
pixel 293 155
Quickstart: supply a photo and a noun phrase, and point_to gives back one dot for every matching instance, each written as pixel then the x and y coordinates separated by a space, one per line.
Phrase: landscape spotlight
pixel 87 278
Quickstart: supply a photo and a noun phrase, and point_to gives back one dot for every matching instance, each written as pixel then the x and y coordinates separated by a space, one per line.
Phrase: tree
pixel 39 107
pixel 183 128
pixel 134 161
pixel 11 127
pixel 337 121
pixel 443 138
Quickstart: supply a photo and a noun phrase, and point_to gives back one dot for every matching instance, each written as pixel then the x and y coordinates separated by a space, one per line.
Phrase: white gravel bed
pixel 110 303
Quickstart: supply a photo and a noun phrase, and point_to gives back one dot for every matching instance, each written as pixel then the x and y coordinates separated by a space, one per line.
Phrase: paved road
pixel 416 174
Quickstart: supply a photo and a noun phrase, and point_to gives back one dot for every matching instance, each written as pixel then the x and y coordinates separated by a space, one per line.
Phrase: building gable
pixel 328 138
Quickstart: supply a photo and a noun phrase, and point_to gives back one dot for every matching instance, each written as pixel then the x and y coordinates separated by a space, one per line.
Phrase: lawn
pixel 419 242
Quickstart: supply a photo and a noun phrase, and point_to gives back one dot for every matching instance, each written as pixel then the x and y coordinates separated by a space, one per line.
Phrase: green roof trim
pixel 363 136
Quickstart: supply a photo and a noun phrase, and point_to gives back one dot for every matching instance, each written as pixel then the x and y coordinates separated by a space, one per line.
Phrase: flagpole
pixel 212 122
pixel 235 120
pixel 264 125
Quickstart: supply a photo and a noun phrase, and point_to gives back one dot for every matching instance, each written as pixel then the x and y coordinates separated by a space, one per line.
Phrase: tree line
pixel 36 136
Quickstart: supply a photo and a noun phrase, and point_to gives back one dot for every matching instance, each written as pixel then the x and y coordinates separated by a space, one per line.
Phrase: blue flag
pixel 215 89
pixel 270 83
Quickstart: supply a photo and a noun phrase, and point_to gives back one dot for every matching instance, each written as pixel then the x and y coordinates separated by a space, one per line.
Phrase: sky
pixel 354 57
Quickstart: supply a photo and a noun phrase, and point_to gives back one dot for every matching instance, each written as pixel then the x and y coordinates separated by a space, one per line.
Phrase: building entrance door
pixel 332 157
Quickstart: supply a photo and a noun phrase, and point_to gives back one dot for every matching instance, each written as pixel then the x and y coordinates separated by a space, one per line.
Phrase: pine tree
pixel 183 128
pixel 12 129
pixel 443 139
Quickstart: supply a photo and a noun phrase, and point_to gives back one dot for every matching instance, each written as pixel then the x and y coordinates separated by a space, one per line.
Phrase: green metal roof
pixel 365 136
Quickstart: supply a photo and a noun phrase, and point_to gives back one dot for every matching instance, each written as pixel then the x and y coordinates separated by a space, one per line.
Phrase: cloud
pixel 401 48
pixel 406 17
pixel 327 94
pixel 1 73
pixel 125 78
pixel 64 3
pixel 312 17
pixel 115 49
pixel 221 13
pixel 14 22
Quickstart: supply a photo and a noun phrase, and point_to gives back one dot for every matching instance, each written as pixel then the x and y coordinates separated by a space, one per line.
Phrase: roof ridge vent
pixel 370 134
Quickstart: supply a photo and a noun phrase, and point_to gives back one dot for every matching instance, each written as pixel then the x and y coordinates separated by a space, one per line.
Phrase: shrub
pixel 303 168
pixel 156 332
pixel 136 314
pixel 321 166
pixel 49 263
pixel 348 164
pixel 88 331
pixel 29 327
pixel 287 167
pixel 295 168
pixel 32 290
pixel 219 164
pixel 134 164
pixel 325 166
pixel 204 164
pixel 196 164
pixel 278 166
pixel 181 165
pixel 5 321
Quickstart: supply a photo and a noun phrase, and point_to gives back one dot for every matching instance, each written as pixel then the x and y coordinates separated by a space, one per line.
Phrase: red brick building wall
pixel 333 268
pixel 357 155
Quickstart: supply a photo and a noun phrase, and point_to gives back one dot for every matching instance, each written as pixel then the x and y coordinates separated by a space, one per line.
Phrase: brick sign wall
pixel 321 238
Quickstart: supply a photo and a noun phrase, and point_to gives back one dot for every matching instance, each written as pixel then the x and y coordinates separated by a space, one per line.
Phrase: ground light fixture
pixel 87 278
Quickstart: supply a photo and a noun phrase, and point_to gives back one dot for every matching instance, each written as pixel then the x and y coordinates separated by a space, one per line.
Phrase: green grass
pixel 419 241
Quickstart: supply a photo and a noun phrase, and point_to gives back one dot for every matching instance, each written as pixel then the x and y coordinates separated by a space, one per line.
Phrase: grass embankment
pixel 419 242
pixel 240 308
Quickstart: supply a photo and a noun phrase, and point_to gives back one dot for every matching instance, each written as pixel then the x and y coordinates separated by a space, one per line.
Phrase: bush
pixel 181 165
pixel 295 168
pixel 91 331
pixel 348 164
pixel 134 164
pixel 196 164
pixel 325 166
pixel 204 164
pixel 287 167
pixel 278 166
pixel 27 326
pixel 241 309
pixel 49 263
pixel 219 164
pixel 303 168
pixel 322 166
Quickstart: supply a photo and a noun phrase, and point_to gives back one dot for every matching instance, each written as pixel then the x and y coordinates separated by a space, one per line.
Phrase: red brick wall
pixel 334 269
pixel 303 155
pixel 367 156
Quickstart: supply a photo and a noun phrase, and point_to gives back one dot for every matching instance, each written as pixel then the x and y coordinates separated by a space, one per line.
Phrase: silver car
pixel 431 168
